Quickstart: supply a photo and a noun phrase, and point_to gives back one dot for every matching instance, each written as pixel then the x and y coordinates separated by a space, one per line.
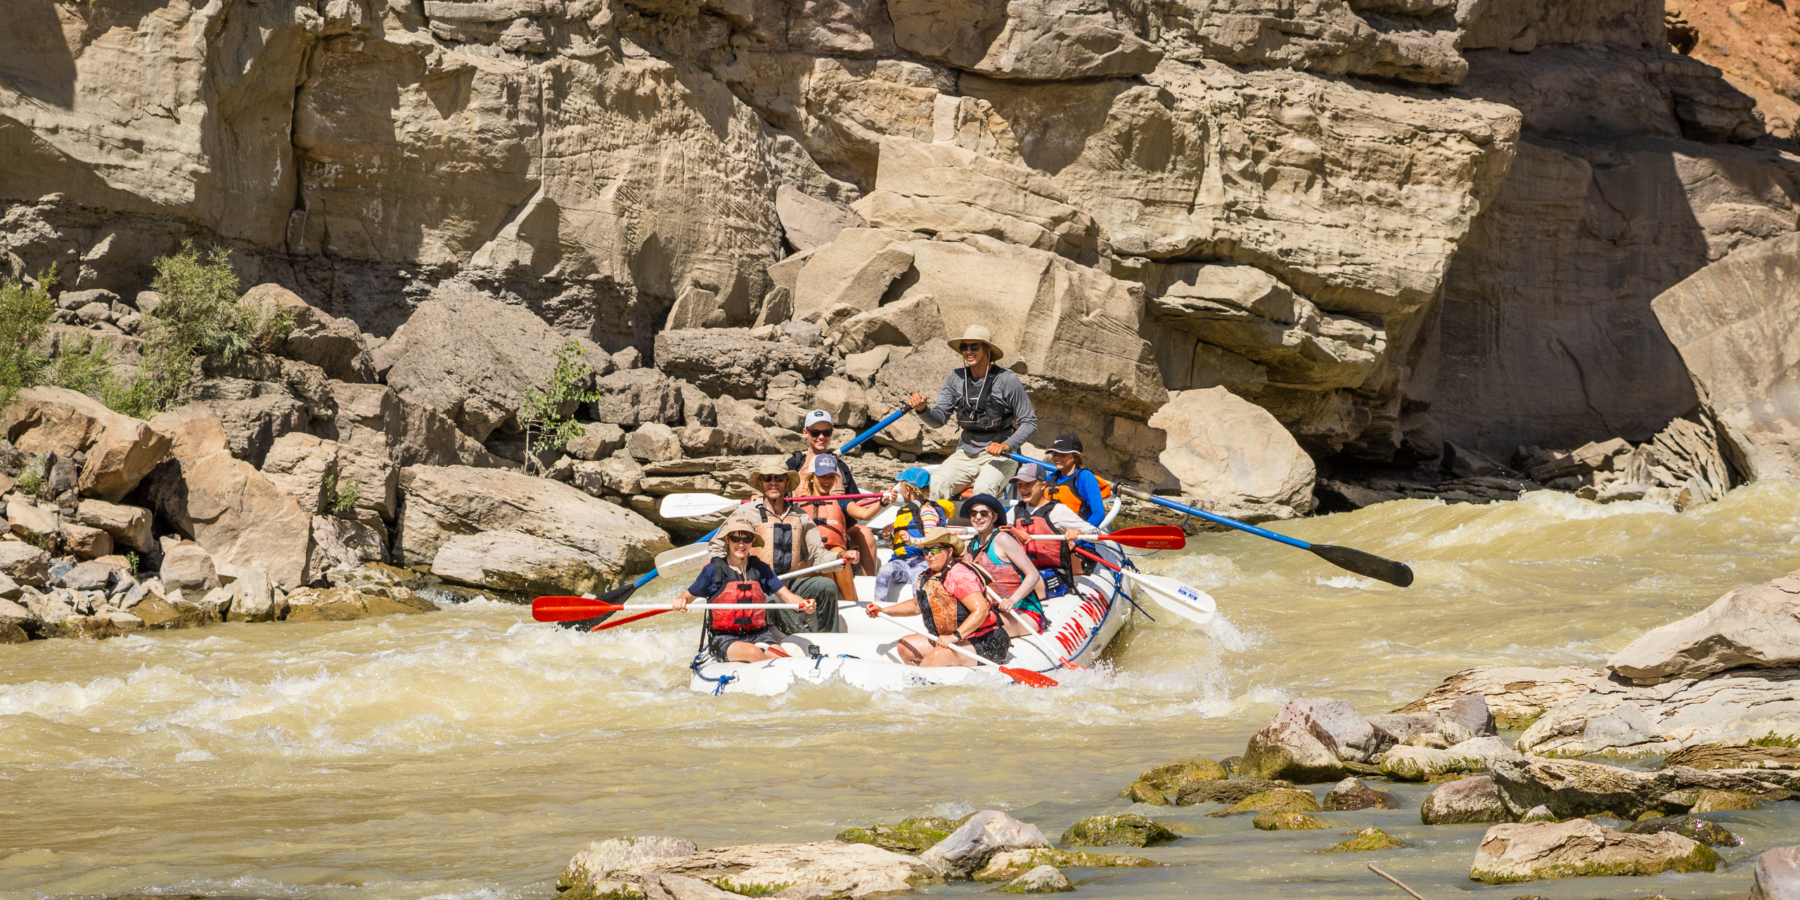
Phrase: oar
pixel 692 506
pixel 619 595
pixel 892 417
pixel 1195 606
pixel 1378 568
pixel 1146 537
pixel 569 609
pixel 1021 676
pixel 1033 638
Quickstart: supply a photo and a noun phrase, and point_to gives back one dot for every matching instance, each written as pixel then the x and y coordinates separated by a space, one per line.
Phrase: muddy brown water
pixel 469 753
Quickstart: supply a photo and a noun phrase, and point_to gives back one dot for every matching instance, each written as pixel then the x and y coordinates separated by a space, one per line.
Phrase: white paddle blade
pixel 884 518
pixel 1195 606
pixel 691 558
pixel 689 506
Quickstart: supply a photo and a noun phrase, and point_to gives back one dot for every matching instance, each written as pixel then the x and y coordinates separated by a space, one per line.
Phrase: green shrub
pixel 202 315
pixel 545 428
pixel 341 498
pixel 35 472
pixel 24 317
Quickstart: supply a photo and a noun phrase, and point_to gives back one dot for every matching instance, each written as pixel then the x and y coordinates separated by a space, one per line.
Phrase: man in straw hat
pixel 990 406
pixel 790 541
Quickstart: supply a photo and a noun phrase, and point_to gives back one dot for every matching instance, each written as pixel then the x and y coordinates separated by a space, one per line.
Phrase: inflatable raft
pixel 1081 625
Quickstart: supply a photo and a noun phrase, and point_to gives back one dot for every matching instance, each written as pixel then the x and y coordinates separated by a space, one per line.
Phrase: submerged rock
pixel 1528 852
pixel 1465 801
pixel 1716 801
pixel 1286 821
pixel 1010 864
pixel 1365 841
pixel 1229 791
pixel 1126 830
pixel 969 848
pixel 1352 794
pixel 1704 831
pixel 915 835
pixel 341 603
pixel 1041 880
pixel 1279 800
pixel 1156 786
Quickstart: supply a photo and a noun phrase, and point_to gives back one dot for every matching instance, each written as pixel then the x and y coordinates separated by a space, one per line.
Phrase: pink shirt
pixel 961 583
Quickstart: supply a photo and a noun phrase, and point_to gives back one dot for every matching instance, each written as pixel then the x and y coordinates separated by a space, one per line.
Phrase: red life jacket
pixel 1027 521
pixel 740 621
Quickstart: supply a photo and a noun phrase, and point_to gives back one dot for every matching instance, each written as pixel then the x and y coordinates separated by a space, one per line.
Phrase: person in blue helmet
pixel 918 515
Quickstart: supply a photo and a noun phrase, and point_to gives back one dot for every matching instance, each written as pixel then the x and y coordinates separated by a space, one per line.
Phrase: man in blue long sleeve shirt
pixel 996 417
pixel 1073 485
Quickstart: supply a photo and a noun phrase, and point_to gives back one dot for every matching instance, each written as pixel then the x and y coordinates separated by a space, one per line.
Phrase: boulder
pixel 1156 786
pixel 1235 457
pixel 1724 756
pixel 17 615
pixel 24 563
pixel 374 419
pixel 969 848
pixel 38 525
pixel 1283 799
pixel 1776 875
pixel 520 563
pixel 1718 801
pixel 1286 821
pixel 1750 626
pixel 254 599
pixel 129 525
pixel 598 440
pixel 85 542
pixel 855 270
pixel 1352 794
pixel 92 575
pixel 730 361
pixel 1730 324
pixel 333 344
pixel 1530 852
pixel 809 222
pixel 10 589
pixel 633 397
pixel 444 502
pixel 915 835
pixel 1735 706
pixel 1465 801
pixel 341 604
pixel 1515 695
pixel 340 545
pixel 1568 788
pixel 854 871
pixel 188 568
pixel 1423 764
pixel 610 860
pixel 1366 841
pixel 119 450
pixel 1694 828
pixel 1309 740
pixel 49 609
pixel 321 474
pixel 1229 791
pixel 654 442
pixel 1010 864
pixel 1125 830
pixel 471 357
pixel 1041 880
pixel 621 477
pixel 229 508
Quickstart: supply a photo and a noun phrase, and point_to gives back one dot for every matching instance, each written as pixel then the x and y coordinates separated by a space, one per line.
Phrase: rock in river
pixel 915 835
pixel 1156 786
pixel 1352 794
pixel 968 849
pixel 1694 828
pixel 1011 864
pixel 1424 763
pixel 1127 830
pixel 1752 626
pixel 1465 801
pixel 1278 800
pixel 1041 880
pixel 1777 875
pixel 1367 840
pixel 1286 821
pixel 1515 853
pixel 848 870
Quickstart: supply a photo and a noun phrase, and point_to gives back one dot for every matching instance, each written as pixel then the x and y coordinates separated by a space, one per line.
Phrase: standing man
pixel 993 412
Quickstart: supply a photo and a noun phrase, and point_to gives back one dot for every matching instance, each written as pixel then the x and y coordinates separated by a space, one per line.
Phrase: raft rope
pixel 705 654
pixel 1119 587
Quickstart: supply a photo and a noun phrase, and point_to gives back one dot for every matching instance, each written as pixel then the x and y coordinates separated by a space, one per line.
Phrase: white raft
pixel 1082 624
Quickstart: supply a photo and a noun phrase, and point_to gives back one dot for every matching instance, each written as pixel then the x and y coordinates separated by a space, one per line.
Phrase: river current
pixel 468 753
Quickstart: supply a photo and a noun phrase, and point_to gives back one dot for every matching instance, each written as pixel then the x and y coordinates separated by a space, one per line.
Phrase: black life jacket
pixel 978 413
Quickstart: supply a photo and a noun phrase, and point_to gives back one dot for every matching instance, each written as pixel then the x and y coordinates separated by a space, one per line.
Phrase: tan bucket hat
pixel 772 467
pixel 942 537
pixel 742 525
pixel 978 333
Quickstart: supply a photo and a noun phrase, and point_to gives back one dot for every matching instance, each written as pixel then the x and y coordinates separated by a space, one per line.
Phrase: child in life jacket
pixel 917 517
pixel 840 521
pixel 951 598
pixel 1073 485
pixel 742 634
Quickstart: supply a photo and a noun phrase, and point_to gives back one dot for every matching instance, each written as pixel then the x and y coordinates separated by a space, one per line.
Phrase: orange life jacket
pixel 745 620
pixel 834 526
pixel 1064 493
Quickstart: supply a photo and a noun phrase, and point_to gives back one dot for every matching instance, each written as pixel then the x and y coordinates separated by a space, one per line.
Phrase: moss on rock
pixel 915 835
pixel 1278 800
pixel 1010 864
pixel 1286 821
pixel 1125 830
pixel 1366 840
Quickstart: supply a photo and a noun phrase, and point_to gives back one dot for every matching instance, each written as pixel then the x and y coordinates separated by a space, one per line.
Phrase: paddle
pixel 1146 537
pixel 1032 637
pixel 569 609
pixel 1178 598
pixel 693 506
pixel 875 430
pixel 1395 573
pixel 1022 676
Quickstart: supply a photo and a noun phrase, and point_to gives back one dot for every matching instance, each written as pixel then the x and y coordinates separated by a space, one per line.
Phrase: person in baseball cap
pixel 1073 485
pixel 818 430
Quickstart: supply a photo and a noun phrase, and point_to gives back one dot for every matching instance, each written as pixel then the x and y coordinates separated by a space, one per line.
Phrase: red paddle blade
pixel 628 619
pixel 568 609
pixel 1029 678
pixel 1151 537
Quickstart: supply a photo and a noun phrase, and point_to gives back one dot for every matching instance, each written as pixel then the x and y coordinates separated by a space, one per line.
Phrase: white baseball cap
pixel 815 417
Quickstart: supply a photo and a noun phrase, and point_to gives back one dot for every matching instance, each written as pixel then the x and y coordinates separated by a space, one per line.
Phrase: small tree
pixel 202 315
pixel 24 319
pixel 540 413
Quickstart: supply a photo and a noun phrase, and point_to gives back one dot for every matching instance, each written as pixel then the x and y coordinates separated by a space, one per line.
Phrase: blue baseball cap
pixel 915 476
pixel 825 464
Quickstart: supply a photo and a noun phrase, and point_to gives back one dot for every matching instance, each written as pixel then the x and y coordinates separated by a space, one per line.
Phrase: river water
pixel 469 753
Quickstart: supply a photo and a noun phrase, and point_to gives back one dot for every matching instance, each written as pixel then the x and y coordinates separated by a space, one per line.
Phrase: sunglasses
pixel 971 347
pixel 819 432
pixel 740 538
pixel 983 512
pixel 934 548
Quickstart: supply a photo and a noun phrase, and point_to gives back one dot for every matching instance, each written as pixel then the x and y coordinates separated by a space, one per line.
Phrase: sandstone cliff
pixel 1384 222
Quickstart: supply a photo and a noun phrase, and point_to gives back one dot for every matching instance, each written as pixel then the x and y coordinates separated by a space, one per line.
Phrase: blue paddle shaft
pixel 891 419
pixel 649 576
pixel 1182 507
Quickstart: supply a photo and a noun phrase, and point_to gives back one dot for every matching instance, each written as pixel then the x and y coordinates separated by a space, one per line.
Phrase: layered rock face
pixel 1289 200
